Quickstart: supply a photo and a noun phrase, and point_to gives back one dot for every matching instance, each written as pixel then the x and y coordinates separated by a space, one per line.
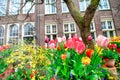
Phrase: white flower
pixel 59 39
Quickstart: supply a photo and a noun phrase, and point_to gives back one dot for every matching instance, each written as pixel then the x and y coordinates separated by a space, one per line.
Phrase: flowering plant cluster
pixel 71 59
pixel 109 50
pixel 26 63
pixel 5 51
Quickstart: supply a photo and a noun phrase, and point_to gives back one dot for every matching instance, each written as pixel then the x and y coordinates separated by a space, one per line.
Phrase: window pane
pixel 28 29
pixel 48 29
pixel 91 26
pixel 72 27
pixel 14 7
pixel 13 30
pixel 13 40
pixel 53 8
pixel 53 28
pixel 111 33
pixel 27 7
pixel 50 7
pixel 1 41
pixel 1 31
pixel 109 25
pixel 66 28
pixel 105 34
pixel 87 3
pixel 67 36
pixel 54 37
pixel 93 35
pixel 104 4
pixel 103 25
pixel 82 5
pixel 3 6
pixel 64 7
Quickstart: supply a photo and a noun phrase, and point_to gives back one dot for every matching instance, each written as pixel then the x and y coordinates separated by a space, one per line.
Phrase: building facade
pixel 52 19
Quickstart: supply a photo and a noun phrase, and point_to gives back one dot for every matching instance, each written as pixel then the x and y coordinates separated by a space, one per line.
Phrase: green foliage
pixel 72 67
pixel 4 54
pixel 110 54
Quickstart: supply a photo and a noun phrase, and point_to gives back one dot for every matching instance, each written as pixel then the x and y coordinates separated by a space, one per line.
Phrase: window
pixel 28 33
pixel 108 28
pixel 1 35
pixel 28 7
pixel 64 7
pixel 3 6
pixel 84 4
pixel 14 7
pixel 92 29
pixel 51 31
pixel 50 6
pixel 13 34
pixel 104 5
pixel 69 29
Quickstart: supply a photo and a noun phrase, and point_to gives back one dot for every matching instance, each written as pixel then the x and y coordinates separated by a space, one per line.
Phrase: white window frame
pixel 102 5
pixel 107 29
pixel 14 7
pixel 51 32
pixel 48 7
pixel 27 7
pixel 8 32
pixel 3 33
pixel 3 6
pixel 85 5
pixel 92 25
pixel 23 25
pixel 64 7
pixel 69 29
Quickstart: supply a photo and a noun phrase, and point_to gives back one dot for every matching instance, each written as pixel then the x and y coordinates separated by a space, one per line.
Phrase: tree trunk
pixel 83 22
pixel 85 32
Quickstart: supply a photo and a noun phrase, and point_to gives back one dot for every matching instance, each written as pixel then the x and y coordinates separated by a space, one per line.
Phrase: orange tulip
pixel 86 60
pixel 63 56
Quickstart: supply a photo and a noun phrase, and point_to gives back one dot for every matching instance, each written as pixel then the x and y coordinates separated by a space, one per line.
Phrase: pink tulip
pixel 102 41
pixel 63 38
pixel 1 48
pixel 52 45
pixel 79 47
pixel 69 43
pixel 47 40
pixel 89 38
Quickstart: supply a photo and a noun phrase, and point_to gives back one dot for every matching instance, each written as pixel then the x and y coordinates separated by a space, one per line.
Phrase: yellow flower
pixel 86 60
pixel 111 78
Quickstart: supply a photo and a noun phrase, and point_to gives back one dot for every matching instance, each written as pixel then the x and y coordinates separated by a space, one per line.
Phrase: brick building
pixel 52 19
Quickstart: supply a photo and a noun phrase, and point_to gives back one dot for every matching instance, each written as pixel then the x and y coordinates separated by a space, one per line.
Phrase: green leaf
pixel 94 77
pixel 57 70
pixel 73 72
pixel 68 54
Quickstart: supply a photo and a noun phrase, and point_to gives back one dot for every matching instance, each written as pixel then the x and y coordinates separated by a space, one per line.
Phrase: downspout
pixel 38 23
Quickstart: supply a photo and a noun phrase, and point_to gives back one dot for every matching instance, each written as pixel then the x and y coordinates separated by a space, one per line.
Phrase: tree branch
pixel 74 12
pixel 90 11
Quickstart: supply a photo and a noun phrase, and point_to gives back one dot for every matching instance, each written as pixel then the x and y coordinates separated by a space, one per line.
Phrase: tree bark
pixel 83 22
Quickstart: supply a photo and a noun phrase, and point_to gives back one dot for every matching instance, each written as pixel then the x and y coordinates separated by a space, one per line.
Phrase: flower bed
pixel 61 59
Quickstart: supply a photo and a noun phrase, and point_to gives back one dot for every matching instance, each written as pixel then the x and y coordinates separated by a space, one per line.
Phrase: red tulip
pixel 53 78
pixel 89 52
pixel 58 48
pixel 118 50
pixel 31 75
